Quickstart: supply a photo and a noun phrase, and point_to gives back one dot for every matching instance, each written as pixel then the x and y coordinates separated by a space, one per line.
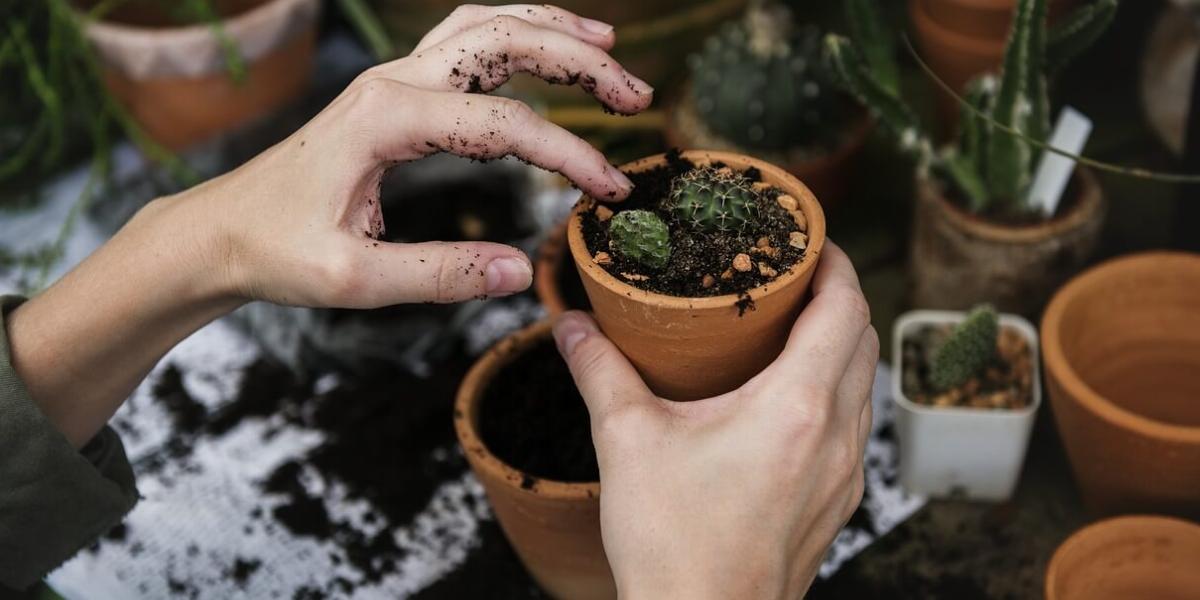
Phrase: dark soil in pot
pixel 701 263
pixel 1005 383
pixel 533 418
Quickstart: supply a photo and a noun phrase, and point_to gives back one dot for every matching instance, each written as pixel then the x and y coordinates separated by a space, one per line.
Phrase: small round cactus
pixel 713 199
pixel 967 351
pixel 641 236
pixel 761 84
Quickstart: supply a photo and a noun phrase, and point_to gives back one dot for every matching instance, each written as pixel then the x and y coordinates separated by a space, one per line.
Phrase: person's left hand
pixel 300 222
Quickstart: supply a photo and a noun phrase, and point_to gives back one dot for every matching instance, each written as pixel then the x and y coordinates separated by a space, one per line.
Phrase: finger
pixel 865 423
pixel 464 17
pixel 825 337
pixel 486 56
pixel 481 127
pixel 855 388
pixel 603 375
pixel 383 274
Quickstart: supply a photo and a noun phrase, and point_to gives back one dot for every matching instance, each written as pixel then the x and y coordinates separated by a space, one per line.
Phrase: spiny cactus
pixel 992 168
pixel 760 83
pixel 967 351
pixel 641 236
pixel 713 199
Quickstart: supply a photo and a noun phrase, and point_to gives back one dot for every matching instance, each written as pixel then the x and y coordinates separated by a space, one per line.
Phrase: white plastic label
pixel 1054 170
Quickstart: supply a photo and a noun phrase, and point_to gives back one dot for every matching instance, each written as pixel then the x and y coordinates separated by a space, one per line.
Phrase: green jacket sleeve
pixel 54 499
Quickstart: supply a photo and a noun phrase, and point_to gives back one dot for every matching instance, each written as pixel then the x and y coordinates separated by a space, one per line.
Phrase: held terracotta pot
pixel 959 260
pixel 554 526
pixel 692 348
pixel 1125 558
pixel 1122 349
pixel 827 175
pixel 173 79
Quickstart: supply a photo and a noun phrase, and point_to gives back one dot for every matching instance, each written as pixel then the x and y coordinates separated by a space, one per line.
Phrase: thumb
pixel 439 272
pixel 605 378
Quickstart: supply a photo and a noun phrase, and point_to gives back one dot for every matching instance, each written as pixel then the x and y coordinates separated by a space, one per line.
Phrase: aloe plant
pixel 989 165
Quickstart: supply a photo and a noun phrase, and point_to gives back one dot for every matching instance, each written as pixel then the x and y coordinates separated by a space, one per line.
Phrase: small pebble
pixel 725 171
pixel 787 202
pixel 742 263
pixel 760 186
pixel 602 258
pixel 798 240
pixel 708 281
pixel 635 276
pixel 603 213
pixel 800 219
pixel 763 242
pixel 766 270
pixel 727 275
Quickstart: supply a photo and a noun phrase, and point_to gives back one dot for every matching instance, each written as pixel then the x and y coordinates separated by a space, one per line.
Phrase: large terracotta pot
pixel 1126 558
pixel 827 175
pixel 1122 349
pixel 173 79
pixel 959 260
pixel 692 348
pixel 554 526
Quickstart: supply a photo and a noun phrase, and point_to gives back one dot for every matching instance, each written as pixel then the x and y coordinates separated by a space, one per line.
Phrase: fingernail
pixel 507 275
pixel 621 180
pixel 570 330
pixel 641 87
pixel 596 27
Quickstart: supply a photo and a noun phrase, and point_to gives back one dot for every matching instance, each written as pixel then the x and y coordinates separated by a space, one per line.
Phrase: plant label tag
pixel 1054 170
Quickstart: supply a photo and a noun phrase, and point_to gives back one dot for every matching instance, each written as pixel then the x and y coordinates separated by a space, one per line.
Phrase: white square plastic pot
pixel 962 452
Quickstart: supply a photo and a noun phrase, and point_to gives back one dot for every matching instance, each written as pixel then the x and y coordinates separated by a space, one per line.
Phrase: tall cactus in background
pixel 990 166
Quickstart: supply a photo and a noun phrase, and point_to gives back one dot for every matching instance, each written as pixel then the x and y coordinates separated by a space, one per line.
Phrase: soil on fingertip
pixel 533 418
pixel 697 254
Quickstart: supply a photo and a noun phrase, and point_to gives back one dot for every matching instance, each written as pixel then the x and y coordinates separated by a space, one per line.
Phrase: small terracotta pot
pixel 828 175
pixel 990 19
pixel 178 101
pixel 693 348
pixel 554 526
pixel 959 260
pixel 1125 558
pixel 1122 349
pixel 545 271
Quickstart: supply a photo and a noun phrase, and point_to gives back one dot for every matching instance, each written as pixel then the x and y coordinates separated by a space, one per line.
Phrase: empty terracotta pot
pixel 173 79
pixel 545 271
pixel 827 175
pixel 1121 345
pixel 1128 558
pixel 693 348
pixel 959 259
pixel 554 526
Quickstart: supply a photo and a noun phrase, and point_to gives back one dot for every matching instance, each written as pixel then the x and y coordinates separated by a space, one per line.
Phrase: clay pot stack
pixel 1127 557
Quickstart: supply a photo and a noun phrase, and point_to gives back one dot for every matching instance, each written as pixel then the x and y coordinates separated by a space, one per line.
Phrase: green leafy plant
pixel 761 84
pixel 992 163
pixel 640 236
pixel 969 349
pixel 713 199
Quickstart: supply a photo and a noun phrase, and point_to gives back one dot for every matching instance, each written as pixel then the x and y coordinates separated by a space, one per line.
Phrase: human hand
pixel 737 496
pixel 300 222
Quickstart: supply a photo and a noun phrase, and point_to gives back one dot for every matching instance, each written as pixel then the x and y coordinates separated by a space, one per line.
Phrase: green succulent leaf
pixel 640 236
pixel 967 351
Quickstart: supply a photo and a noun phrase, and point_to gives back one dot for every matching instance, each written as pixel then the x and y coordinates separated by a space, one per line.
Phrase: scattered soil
pixel 696 254
pixel 533 418
pixel 1006 383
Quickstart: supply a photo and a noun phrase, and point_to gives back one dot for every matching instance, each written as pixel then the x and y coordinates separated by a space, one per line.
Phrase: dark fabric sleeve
pixel 54 499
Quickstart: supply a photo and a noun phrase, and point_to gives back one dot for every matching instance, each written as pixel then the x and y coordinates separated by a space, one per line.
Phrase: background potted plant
pixel 525 431
pixel 1122 350
pixel 698 276
pixel 759 86
pixel 967 390
pixel 978 235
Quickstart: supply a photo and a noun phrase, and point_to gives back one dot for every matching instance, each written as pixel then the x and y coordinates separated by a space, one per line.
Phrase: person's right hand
pixel 737 496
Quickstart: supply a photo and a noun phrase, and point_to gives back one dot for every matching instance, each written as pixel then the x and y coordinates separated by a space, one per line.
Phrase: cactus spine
pixel 992 168
pixel 713 199
pixel 967 351
pixel 640 236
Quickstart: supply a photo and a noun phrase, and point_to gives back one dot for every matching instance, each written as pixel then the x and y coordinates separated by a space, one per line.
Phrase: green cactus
pixel 640 236
pixel 713 199
pixel 760 84
pixel 992 168
pixel 967 351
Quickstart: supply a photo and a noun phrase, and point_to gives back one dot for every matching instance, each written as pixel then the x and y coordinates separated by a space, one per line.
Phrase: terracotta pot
pixel 545 271
pixel 1122 350
pixel 990 19
pixel 173 79
pixel 1127 557
pixel 554 526
pixel 827 175
pixel 959 260
pixel 692 348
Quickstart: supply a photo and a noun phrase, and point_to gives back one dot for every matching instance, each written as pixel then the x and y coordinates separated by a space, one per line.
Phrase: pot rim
pixel 1091 201
pixel 466 404
pixel 921 316
pixel 922 21
pixel 1137 523
pixel 788 183
pixel 1056 360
